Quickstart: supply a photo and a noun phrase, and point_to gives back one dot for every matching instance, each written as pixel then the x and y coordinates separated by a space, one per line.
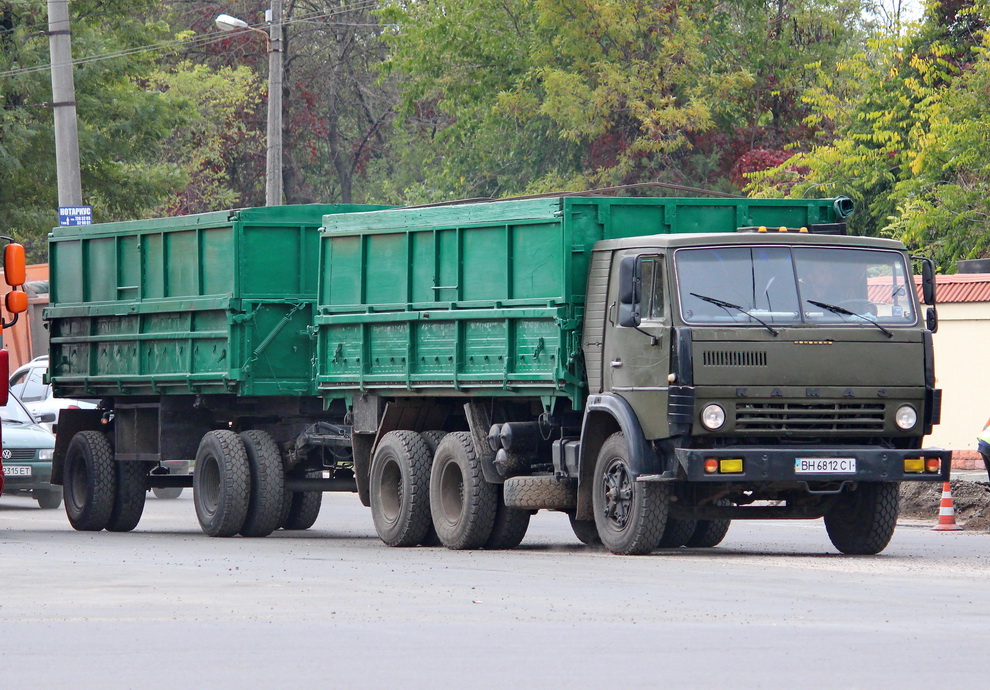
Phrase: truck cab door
pixel 636 358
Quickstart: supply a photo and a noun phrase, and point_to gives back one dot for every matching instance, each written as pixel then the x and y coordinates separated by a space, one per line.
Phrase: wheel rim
pixel 209 487
pixel 451 492
pixel 77 484
pixel 617 490
pixel 390 492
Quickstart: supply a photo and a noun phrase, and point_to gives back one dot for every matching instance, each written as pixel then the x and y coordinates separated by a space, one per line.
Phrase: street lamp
pixel 273 38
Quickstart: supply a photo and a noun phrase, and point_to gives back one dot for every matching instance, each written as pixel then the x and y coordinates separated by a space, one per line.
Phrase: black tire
pixel 167 492
pixel 267 484
pixel 400 488
pixel 540 492
pixel 585 530
pixel 863 521
pixel 303 506
pixel 221 483
pixel 630 515
pixel 432 439
pixel 128 503
pixel 89 481
pixel 676 533
pixel 709 533
pixel 47 500
pixel 462 503
pixel 510 527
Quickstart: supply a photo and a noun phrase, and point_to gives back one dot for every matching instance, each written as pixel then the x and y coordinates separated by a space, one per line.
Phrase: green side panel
pixel 489 296
pixel 213 303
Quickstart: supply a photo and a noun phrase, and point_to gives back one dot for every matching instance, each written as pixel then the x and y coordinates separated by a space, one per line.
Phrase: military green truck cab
pixel 772 374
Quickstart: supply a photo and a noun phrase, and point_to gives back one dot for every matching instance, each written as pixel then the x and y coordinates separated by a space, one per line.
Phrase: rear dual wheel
pixel 99 492
pixel 400 488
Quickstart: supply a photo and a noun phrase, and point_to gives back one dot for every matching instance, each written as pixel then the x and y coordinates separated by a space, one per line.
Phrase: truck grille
pixel 733 358
pixel 845 417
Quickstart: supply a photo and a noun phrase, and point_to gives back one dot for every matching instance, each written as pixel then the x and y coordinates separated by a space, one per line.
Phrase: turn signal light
pixel 933 465
pixel 731 466
pixel 723 466
pixel 914 465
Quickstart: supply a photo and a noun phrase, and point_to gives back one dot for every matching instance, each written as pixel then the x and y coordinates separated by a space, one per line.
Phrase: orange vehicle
pixel 16 301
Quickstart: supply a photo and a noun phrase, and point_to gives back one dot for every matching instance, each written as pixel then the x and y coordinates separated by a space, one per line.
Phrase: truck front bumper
pixel 804 464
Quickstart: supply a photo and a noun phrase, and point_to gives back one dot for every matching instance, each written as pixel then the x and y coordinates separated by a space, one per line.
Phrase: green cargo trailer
pixel 655 368
pixel 182 326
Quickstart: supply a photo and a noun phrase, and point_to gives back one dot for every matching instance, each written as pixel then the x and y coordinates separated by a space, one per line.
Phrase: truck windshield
pixel 794 285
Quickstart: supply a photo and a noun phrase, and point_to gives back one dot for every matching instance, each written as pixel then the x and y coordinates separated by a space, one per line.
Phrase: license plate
pixel 17 470
pixel 825 465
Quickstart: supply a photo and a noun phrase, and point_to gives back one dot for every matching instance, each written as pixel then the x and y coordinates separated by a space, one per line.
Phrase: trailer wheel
pixel 267 484
pixel 541 492
pixel 585 530
pixel 167 492
pixel 510 527
pixel 676 533
pixel 630 515
pixel 863 521
pixel 47 500
pixel 89 481
pixel 303 506
pixel 128 503
pixel 462 503
pixel 221 483
pixel 710 533
pixel 400 488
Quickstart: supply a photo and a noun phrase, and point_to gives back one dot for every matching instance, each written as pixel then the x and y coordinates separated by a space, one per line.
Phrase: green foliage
pixel 517 95
pixel 911 142
pixel 120 123
pixel 215 132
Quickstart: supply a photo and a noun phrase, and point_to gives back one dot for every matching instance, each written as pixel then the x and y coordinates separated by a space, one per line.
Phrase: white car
pixel 28 383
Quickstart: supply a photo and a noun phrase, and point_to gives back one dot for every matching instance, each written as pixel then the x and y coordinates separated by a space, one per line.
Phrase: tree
pixel 120 123
pixel 910 136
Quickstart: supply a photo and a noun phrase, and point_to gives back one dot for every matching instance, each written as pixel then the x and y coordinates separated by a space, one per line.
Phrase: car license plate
pixel 825 465
pixel 17 470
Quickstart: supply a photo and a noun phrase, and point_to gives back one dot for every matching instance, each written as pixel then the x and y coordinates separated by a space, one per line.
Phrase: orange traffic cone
pixel 946 512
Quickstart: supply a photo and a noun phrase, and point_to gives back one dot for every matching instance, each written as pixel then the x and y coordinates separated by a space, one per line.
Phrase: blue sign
pixel 75 215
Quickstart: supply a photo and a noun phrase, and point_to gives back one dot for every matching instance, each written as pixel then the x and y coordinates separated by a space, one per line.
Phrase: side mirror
pixel 14 263
pixel 931 320
pixel 630 287
pixel 928 281
pixel 46 417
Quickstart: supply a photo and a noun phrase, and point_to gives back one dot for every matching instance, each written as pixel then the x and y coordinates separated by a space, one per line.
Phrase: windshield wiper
pixel 729 305
pixel 845 312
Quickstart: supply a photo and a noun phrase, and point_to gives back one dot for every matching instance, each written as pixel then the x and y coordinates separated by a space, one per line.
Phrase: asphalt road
pixel 773 607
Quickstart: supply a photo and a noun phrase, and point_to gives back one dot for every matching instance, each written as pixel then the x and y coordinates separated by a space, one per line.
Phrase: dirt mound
pixel 971 501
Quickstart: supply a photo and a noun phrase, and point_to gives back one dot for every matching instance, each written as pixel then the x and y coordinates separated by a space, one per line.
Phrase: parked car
pixel 27 455
pixel 28 383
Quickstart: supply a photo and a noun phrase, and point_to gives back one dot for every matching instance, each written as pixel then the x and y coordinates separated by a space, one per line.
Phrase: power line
pixel 191 42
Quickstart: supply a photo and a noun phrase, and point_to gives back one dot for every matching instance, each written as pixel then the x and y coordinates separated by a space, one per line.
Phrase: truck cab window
pixel 652 287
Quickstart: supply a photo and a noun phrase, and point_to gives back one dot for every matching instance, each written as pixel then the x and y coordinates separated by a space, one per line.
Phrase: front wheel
pixel 89 481
pixel 862 521
pixel 167 492
pixel 630 515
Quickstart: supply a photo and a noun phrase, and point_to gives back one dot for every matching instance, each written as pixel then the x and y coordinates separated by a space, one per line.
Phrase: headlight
pixel 713 417
pixel 45 454
pixel 906 417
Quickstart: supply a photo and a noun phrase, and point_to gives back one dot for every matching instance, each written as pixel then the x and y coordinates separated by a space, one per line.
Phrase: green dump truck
pixel 655 368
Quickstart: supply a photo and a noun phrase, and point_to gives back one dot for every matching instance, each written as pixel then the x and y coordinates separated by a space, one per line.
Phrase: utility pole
pixel 64 105
pixel 273 174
